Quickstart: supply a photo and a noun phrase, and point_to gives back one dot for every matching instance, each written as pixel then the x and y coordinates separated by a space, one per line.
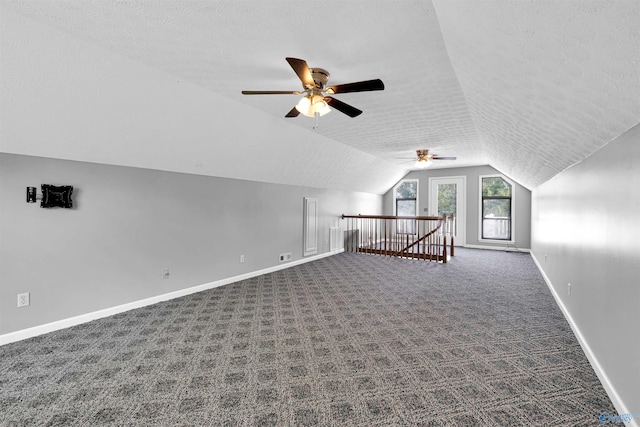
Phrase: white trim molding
pixel 461 203
pixel 602 375
pixel 505 246
pixel 402 181
pixel 88 317
pixel 513 209
pixel 310 223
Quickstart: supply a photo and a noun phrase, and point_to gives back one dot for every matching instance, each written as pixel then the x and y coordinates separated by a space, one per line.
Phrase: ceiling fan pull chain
pixel 316 120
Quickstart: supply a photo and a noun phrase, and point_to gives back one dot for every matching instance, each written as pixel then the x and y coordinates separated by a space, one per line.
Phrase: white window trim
pixel 402 181
pixel 513 209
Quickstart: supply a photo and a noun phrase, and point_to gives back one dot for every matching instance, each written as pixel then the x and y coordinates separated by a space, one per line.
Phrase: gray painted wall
pixel 586 231
pixel 522 203
pixel 128 224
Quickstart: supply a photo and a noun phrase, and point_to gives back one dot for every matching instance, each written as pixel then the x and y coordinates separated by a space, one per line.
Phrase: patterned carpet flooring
pixel 348 340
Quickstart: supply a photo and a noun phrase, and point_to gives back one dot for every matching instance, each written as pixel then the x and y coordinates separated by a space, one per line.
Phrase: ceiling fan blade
pixel 271 92
pixel 293 113
pixel 342 107
pixel 363 86
pixel 443 158
pixel 302 70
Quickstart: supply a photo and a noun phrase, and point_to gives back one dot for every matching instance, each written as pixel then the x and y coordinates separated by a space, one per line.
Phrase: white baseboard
pixel 88 317
pixel 602 376
pixel 507 248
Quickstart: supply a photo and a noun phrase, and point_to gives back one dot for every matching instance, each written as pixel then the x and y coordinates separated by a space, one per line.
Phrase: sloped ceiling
pixel 529 87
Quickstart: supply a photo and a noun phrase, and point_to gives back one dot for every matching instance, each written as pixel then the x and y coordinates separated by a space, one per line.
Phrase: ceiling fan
pixel 316 101
pixel 424 159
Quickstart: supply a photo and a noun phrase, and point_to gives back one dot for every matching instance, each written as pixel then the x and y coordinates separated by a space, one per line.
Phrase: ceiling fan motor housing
pixel 320 76
pixel 422 154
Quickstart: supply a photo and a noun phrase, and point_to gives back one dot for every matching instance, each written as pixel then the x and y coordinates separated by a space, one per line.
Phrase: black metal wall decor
pixel 31 194
pixel 52 196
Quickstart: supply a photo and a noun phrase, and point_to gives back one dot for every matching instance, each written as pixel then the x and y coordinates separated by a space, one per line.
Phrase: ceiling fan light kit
pixel 315 102
pixel 423 163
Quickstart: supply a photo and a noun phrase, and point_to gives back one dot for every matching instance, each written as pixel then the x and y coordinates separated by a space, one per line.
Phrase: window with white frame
pixel 406 204
pixel 496 207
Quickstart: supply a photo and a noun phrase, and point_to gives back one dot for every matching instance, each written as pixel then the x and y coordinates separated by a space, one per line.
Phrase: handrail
pixel 406 248
pixel 422 237
pixel 431 218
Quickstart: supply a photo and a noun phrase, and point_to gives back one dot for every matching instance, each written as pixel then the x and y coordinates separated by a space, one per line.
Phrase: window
pixel 406 204
pixel 497 208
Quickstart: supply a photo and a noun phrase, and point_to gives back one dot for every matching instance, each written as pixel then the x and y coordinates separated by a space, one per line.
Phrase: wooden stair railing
pixel 418 237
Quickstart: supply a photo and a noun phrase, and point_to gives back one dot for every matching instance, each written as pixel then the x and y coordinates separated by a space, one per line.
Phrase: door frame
pixel 310 226
pixel 461 198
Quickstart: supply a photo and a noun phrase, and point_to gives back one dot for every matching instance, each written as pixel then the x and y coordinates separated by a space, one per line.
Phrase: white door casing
pixel 310 223
pixel 458 185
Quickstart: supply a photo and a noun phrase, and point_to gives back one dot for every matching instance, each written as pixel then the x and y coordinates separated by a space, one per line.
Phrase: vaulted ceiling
pixel 529 87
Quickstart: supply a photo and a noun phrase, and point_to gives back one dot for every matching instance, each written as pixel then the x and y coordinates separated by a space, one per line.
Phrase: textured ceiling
pixel 529 87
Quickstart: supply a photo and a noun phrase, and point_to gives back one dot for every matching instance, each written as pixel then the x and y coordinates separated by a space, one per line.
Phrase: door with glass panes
pixel 446 197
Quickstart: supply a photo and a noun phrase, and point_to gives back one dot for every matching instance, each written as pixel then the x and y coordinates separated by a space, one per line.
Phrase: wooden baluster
pixel 444 249
pixel 365 237
pixel 346 241
pixel 406 239
pixel 420 242
pixel 418 252
pixel 453 224
pixel 349 233
pixel 415 229
pixel 375 234
pixel 354 230
pixel 437 248
pixel 390 246
pixel 429 248
pixel 353 235
pixel 395 235
pixel 371 243
pixel 363 234
pixel 371 240
pixel 385 236
pixel 430 245
pixel 424 242
pixel 392 235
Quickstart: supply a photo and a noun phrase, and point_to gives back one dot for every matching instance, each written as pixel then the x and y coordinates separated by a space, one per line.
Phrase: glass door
pixel 446 197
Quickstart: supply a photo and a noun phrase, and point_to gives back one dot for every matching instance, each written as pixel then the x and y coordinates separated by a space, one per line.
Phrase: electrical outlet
pixel 241 258
pixel 165 273
pixel 285 257
pixel 569 288
pixel 23 299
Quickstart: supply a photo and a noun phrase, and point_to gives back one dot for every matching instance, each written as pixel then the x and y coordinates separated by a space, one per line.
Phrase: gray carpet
pixel 352 339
